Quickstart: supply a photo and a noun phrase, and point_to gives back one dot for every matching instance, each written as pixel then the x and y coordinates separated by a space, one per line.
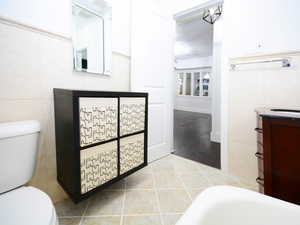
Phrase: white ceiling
pixel 193 38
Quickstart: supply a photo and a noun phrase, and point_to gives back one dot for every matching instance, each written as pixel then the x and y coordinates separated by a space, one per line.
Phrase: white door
pixel 152 66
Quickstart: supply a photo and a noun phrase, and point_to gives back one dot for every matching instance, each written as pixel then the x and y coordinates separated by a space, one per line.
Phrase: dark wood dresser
pixel 278 153
pixel 101 137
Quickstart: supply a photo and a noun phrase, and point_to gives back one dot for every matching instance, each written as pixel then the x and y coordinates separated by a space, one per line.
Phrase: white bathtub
pixel 226 205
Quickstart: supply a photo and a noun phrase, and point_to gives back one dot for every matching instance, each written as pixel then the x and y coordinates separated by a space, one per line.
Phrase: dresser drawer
pixel 259 139
pixel 131 152
pixel 259 153
pixel 98 119
pixel 132 115
pixel 98 165
pixel 260 164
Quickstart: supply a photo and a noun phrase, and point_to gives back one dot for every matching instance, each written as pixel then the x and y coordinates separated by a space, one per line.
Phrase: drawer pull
pixel 259 130
pixel 259 155
pixel 260 181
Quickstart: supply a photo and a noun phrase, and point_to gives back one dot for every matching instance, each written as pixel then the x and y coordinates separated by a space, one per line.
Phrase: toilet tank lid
pixel 13 129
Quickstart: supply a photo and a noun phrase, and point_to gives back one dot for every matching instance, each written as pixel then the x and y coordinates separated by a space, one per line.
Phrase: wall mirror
pixel 91 36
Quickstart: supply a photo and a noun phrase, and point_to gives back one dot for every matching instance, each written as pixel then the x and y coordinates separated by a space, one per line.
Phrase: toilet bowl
pixel 26 206
pixel 21 205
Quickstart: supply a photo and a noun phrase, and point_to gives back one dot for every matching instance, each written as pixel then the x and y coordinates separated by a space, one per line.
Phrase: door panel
pixel 152 71
pixel 156 129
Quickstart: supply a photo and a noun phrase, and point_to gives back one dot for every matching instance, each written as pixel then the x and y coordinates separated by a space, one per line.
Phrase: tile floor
pixel 156 195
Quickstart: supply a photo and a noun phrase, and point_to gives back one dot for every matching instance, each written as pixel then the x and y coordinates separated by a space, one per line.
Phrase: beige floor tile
pixel 106 203
pixel 163 165
pixel 68 208
pixel 223 179
pixel 140 181
pixel 144 170
pixel 120 185
pixel 185 166
pixel 109 220
pixel 173 201
pixel 140 202
pixel 207 170
pixel 195 192
pixel 69 221
pixel 167 180
pixel 171 219
pixel 142 220
pixel 251 187
pixel 195 180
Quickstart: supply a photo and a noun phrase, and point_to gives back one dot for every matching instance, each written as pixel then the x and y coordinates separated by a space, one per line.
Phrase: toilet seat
pixel 26 206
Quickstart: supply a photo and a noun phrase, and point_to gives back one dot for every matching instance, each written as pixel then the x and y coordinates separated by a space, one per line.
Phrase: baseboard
pixel 192 109
pixel 215 137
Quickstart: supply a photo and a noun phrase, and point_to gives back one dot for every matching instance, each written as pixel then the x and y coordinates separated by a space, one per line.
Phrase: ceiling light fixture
pixel 212 14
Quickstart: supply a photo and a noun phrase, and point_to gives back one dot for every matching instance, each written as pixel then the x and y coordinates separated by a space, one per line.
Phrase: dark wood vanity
pixel 278 154
pixel 101 137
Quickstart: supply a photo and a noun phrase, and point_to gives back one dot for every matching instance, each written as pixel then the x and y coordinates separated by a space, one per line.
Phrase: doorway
pixel 195 91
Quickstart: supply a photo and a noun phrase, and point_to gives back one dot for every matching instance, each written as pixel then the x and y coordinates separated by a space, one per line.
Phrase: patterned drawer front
pixel 132 115
pixel 131 152
pixel 98 165
pixel 98 120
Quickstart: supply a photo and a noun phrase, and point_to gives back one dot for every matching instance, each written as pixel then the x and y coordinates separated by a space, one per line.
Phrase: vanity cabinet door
pixel 98 120
pixel 132 152
pixel 98 165
pixel 281 158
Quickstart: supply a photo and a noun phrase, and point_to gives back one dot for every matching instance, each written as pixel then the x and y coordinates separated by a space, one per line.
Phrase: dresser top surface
pixel 279 112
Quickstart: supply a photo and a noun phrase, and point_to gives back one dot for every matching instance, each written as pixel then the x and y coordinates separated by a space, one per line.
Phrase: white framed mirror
pixel 91 36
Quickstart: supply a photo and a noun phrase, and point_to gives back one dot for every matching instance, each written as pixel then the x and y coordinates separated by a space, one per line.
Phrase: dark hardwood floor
pixel 192 138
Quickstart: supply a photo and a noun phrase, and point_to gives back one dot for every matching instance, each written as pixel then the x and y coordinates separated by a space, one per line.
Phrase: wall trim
pixel 23 26
pixel 20 25
pixel 192 109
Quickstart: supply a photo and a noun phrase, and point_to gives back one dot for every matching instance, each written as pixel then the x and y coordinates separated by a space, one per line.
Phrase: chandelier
pixel 212 14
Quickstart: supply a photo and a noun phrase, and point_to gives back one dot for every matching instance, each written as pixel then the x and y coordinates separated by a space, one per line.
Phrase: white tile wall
pixel 31 65
pixel 267 85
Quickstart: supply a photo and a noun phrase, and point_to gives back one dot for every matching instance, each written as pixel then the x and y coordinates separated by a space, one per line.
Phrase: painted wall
pixel 275 28
pixel 33 63
pixel 192 103
pixel 52 16
pixel 40 14
pixel 193 61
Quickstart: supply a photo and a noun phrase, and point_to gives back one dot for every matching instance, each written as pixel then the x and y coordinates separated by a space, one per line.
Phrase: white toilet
pixel 20 205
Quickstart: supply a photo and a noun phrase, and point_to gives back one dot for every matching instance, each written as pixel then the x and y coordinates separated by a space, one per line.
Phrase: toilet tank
pixel 18 153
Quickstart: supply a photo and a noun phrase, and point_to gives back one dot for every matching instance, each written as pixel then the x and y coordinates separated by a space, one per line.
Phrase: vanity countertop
pixel 280 112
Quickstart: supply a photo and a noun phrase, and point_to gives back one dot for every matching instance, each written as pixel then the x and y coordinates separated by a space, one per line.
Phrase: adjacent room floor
pixel 192 138
pixel 156 195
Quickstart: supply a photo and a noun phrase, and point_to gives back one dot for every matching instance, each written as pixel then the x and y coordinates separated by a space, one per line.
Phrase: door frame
pixel 223 84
